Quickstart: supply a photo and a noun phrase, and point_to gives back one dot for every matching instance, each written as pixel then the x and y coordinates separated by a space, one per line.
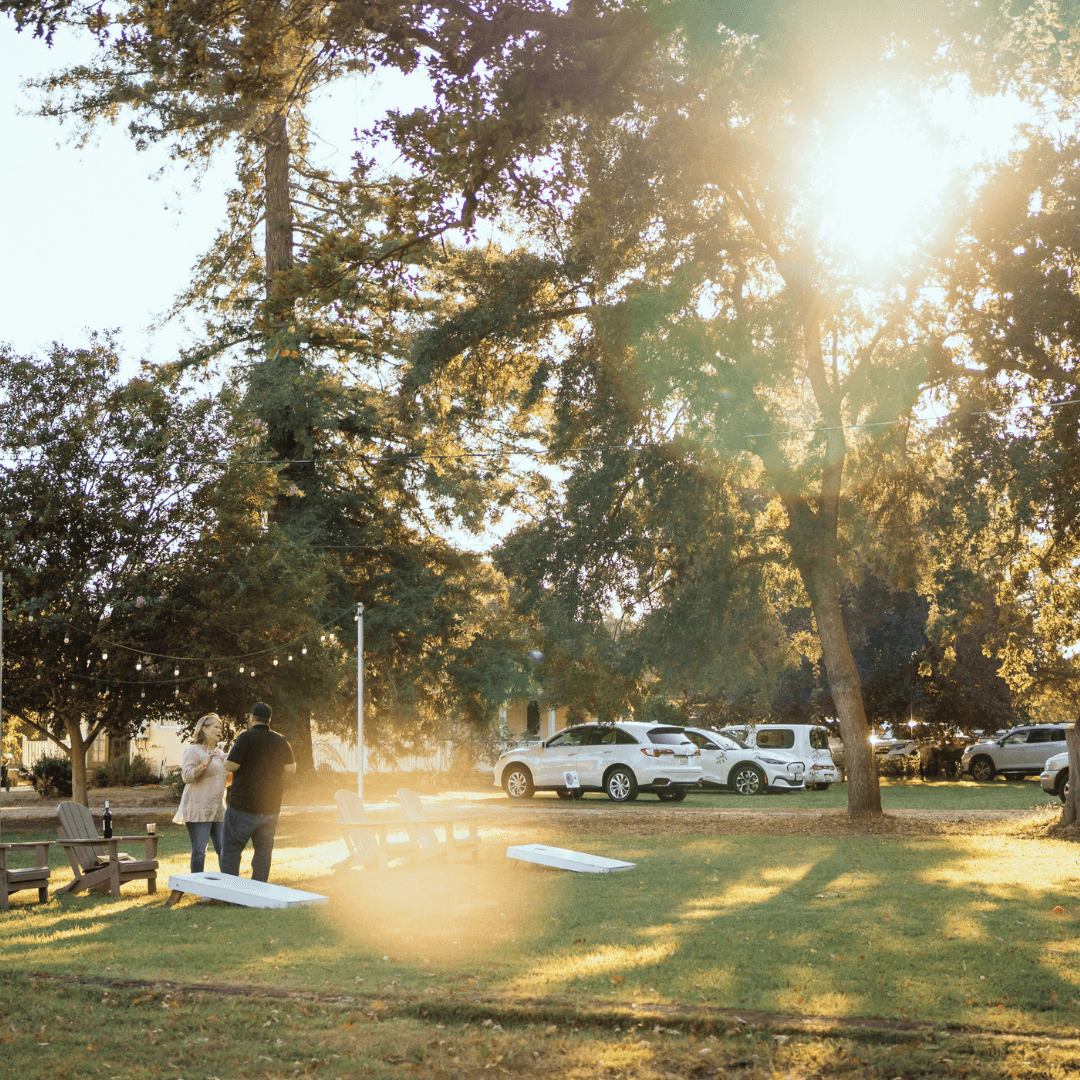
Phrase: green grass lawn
pixel 967 934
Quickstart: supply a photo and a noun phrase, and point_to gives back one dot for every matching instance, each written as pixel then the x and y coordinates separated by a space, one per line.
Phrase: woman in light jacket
pixel 202 806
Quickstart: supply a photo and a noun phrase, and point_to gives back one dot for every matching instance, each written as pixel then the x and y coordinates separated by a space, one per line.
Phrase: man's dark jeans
pixel 240 827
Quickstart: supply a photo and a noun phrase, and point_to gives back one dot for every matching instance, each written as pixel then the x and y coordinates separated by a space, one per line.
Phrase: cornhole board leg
pixel 238 890
pixel 565 859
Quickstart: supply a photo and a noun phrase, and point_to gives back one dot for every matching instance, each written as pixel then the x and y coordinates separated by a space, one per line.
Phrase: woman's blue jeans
pixel 200 832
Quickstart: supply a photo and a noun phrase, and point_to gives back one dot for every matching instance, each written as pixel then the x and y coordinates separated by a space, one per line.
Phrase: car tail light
pixel 656 751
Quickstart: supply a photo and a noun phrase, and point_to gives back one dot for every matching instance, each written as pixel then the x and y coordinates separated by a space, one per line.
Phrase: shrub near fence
pixel 51 777
pixel 120 772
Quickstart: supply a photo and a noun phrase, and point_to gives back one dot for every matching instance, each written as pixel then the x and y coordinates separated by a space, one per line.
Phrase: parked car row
pixel 1023 751
pixel 625 759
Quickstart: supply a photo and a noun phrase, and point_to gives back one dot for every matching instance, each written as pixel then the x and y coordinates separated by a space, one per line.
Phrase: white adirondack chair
pixel 425 821
pixel 367 840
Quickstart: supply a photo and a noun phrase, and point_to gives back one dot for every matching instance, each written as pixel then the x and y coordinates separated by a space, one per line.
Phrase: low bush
pixel 173 781
pixel 120 772
pixel 51 777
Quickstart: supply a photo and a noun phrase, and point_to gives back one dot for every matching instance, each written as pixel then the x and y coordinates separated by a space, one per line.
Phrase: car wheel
pixel 818 787
pixel 748 780
pixel 1063 785
pixel 983 769
pixel 564 793
pixel 672 795
pixel 518 783
pixel 621 785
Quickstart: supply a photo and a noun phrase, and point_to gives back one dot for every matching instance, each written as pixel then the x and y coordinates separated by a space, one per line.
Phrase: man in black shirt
pixel 259 761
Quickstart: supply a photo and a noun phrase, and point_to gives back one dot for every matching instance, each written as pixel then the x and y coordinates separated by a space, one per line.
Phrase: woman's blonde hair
pixel 197 735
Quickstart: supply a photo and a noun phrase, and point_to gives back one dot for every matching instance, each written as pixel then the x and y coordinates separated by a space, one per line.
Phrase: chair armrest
pixel 39 847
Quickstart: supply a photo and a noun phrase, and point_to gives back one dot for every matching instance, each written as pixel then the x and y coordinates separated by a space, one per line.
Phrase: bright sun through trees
pixel 886 165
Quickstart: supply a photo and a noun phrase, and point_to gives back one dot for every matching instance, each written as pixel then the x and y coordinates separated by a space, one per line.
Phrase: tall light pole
pixel 360 700
pixel 2 673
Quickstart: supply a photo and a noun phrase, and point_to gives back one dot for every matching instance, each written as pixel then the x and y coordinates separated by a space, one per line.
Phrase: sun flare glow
pixel 886 167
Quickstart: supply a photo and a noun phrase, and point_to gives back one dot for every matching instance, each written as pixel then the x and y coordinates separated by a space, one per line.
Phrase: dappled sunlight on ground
pixel 610 960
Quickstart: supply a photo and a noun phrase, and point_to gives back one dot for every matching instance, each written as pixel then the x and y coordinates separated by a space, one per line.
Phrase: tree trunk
pixel 278 204
pixel 77 747
pixel 864 792
pixel 1071 811
pixel 812 534
pixel 295 725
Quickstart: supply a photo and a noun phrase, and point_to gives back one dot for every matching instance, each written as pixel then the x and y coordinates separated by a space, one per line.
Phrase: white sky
pixel 93 241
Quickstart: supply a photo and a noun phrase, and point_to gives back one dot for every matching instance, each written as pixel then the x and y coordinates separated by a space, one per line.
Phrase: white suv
pixel 619 759
pixel 1021 752
pixel 727 762
pixel 808 743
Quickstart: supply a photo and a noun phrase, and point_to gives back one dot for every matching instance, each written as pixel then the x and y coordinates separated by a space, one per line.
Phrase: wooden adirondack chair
pixel 366 840
pixel 100 864
pixel 416 812
pixel 30 877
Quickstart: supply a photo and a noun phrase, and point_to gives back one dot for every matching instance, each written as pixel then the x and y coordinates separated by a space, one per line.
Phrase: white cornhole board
pixel 244 891
pixel 564 859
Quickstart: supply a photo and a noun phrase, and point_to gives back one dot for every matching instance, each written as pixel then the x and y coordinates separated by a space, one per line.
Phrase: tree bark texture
pixel 278 204
pixel 864 792
pixel 1071 811
pixel 77 747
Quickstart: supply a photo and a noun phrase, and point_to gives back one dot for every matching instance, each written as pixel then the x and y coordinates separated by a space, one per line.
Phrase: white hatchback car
pixel 619 759
pixel 727 762
pixel 808 743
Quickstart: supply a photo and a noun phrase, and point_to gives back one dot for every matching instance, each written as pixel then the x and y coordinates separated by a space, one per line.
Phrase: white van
pixel 809 741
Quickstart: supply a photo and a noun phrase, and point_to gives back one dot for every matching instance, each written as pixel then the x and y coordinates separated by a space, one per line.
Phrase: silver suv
pixel 1020 752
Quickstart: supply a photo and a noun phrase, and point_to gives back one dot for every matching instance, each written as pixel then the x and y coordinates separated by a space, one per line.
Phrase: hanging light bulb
pixel 142 693
pixel 30 617
pixel 105 654
pixel 253 673
pixel 303 651
pixel 209 673
pixel 241 669
pixel 176 691
pixel 290 658
pixel 138 665
pixel 275 661
pixel 323 638
pixel 176 671
pixel 67 640
pixel 215 685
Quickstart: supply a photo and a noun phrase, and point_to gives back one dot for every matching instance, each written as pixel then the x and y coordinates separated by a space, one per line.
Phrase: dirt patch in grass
pixel 660 821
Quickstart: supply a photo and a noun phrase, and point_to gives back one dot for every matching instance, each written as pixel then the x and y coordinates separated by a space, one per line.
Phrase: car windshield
pixel 574 736
pixel 703 741
pixel 731 737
